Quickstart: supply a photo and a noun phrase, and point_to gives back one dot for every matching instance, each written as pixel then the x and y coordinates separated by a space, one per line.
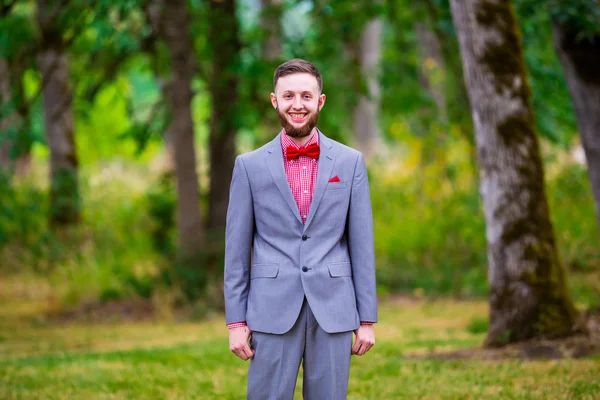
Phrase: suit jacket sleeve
pixel 361 243
pixel 238 244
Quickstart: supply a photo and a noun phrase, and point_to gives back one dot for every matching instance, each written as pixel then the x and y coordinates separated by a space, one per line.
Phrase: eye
pixel 287 96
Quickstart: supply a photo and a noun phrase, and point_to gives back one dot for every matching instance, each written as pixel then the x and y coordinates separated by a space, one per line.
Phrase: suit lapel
pixel 326 163
pixel 274 161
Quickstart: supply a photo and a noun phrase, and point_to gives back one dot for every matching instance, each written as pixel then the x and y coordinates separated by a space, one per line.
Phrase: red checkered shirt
pixel 301 175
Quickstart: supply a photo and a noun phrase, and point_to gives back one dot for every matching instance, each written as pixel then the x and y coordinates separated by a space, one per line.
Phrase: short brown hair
pixel 296 66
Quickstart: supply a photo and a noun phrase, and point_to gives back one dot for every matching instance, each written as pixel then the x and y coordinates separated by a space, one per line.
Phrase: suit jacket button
pixel 304 269
pixel 304 237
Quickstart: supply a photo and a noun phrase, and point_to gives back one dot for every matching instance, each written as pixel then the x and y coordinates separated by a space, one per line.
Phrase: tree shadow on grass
pixel 577 346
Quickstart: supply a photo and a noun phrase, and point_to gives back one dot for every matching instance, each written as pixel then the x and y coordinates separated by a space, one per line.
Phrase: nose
pixel 297 102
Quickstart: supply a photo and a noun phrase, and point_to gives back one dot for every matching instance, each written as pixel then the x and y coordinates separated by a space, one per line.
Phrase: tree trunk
pixel 580 57
pixel 457 104
pixel 432 68
pixel 366 115
pixel 528 292
pixel 58 118
pixel 21 151
pixel 59 128
pixel 223 35
pixel 15 139
pixel 177 37
pixel 169 135
pixel 271 25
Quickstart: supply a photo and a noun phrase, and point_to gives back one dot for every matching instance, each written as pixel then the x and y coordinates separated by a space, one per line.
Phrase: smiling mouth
pixel 297 117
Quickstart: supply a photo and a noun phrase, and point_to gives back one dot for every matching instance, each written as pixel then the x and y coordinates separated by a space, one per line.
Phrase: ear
pixel 274 100
pixel 321 101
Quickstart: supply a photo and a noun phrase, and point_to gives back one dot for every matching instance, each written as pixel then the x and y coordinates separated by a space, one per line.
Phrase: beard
pixel 302 131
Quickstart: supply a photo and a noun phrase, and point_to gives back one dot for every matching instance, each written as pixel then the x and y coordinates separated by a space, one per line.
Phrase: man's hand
pixel 365 339
pixel 239 342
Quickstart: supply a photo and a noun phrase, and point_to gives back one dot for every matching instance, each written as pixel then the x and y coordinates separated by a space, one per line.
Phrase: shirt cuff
pixel 366 323
pixel 236 324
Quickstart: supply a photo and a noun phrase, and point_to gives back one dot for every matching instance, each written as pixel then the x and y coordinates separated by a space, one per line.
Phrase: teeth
pixel 297 115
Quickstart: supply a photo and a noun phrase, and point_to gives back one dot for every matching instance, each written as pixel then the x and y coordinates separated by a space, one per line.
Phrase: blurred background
pixel 120 122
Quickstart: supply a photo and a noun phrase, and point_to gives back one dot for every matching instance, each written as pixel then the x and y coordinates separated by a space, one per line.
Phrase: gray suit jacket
pixel 273 260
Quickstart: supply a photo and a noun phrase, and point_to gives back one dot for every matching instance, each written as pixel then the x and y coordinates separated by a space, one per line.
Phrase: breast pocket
pixel 335 185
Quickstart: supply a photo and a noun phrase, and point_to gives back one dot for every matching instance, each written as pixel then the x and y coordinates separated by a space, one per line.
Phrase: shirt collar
pixel 286 141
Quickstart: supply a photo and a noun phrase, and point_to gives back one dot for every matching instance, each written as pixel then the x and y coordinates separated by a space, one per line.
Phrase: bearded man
pixel 299 259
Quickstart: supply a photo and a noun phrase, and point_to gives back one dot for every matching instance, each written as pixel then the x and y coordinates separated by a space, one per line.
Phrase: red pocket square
pixel 334 179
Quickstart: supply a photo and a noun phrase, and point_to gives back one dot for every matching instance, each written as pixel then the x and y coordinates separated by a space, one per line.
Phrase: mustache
pixel 302 131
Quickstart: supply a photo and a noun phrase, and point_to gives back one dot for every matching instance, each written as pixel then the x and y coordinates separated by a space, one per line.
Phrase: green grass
pixel 169 360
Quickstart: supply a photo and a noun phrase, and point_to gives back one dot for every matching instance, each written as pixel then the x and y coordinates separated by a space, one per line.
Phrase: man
pixel 299 259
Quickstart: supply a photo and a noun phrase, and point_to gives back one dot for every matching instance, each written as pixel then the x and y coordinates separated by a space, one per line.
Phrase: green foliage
pixel 161 209
pixel 65 202
pixel 437 245
pixel 23 211
pixel 551 101
pixel 17 35
pixel 109 255
pixel 430 227
pixel 189 274
pixel 583 15
pixel 573 216
pixel 478 325
pixel 430 230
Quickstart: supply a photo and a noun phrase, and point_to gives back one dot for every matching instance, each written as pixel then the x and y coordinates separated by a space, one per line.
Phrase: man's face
pixel 298 103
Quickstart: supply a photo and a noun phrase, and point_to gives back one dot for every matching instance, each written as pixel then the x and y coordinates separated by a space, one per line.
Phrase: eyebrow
pixel 303 92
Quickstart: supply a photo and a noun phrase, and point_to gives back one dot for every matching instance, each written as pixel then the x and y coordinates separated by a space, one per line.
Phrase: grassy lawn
pixel 161 360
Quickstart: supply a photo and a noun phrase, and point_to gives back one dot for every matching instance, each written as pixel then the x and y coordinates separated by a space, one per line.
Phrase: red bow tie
pixel 311 151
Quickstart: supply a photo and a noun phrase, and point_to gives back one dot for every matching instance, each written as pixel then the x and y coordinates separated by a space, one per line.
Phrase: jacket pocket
pixel 340 269
pixel 335 185
pixel 264 271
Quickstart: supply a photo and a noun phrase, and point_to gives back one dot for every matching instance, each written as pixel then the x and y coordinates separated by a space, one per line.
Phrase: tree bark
pixel 580 57
pixel 528 293
pixel 223 35
pixel 181 136
pixel 58 119
pixel 366 115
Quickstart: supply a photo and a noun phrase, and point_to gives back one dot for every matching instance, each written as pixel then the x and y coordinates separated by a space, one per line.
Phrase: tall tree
pixel 528 291
pixel 432 68
pixel 439 22
pixel 16 54
pixel 58 114
pixel 266 58
pixel 181 132
pixel 270 22
pixel 359 25
pixel 15 121
pixel 579 53
pixel 367 132
pixel 223 36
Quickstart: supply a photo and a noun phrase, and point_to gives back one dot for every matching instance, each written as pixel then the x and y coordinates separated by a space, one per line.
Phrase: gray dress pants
pixel 325 360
